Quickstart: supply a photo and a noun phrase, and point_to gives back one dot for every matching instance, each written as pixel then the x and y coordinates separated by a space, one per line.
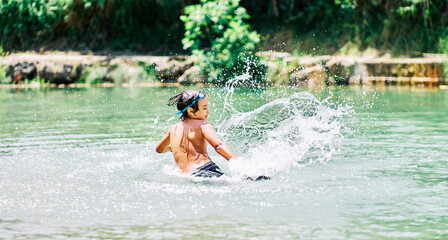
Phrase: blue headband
pixel 200 96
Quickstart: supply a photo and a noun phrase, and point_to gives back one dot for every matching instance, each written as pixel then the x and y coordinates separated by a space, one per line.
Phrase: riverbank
pixel 72 69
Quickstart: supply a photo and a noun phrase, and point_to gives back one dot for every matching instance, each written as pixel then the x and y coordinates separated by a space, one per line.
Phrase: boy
pixel 188 138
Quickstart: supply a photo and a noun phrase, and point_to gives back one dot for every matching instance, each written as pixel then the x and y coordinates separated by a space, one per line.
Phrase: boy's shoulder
pixel 203 125
pixel 206 126
pixel 194 124
pixel 204 122
pixel 173 127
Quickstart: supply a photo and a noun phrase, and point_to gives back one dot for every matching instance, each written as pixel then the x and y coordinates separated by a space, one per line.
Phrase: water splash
pixel 295 130
pixel 229 91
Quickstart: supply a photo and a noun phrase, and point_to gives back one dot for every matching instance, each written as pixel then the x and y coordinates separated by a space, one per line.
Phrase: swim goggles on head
pixel 200 96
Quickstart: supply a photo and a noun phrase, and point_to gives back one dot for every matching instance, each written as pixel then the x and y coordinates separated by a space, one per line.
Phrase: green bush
pixel 26 22
pixel 35 80
pixel 132 25
pixel 93 75
pixel 149 70
pixel 221 43
pixel 136 25
pixel 4 78
pixel 443 48
pixel 403 27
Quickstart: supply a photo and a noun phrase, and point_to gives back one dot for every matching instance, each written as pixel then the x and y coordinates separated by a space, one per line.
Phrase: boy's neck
pixel 191 119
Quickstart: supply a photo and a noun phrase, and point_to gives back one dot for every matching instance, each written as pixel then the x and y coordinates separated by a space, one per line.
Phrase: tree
pixel 221 43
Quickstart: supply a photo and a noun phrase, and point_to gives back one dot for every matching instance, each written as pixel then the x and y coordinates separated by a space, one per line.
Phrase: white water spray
pixel 295 130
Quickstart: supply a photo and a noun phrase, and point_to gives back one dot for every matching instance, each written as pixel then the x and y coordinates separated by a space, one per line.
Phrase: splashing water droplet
pixel 295 130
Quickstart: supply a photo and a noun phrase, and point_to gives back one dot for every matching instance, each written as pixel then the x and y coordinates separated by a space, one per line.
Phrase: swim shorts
pixel 208 170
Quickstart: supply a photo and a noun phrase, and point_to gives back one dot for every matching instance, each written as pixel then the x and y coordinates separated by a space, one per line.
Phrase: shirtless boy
pixel 188 138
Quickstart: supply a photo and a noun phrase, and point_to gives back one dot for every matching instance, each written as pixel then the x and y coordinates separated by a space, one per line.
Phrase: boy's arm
pixel 164 144
pixel 210 135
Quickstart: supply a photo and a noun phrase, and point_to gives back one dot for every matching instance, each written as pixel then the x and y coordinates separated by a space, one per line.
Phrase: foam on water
pixel 292 131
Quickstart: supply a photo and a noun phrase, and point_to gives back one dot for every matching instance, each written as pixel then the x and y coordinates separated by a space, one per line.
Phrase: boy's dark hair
pixel 183 99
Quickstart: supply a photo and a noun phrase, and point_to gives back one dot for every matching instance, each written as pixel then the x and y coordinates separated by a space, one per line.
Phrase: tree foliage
pixel 403 26
pixel 138 25
pixel 26 21
pixel 400 26
pixel 221 41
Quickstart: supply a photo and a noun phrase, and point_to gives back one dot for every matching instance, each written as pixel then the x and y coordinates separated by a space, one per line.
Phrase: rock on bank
pixel 91 69
pixel 355 70
pixel 67 68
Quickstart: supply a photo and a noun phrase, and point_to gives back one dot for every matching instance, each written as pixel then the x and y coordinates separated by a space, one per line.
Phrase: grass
pixel 4 78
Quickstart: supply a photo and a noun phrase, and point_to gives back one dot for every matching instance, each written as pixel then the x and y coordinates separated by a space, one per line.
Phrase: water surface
pixel 345 162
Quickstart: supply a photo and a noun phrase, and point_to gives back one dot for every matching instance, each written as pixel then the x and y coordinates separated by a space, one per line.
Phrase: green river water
pixel 345 163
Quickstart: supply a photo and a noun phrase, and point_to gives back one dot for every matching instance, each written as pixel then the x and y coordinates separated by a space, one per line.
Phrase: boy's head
pixel 191 104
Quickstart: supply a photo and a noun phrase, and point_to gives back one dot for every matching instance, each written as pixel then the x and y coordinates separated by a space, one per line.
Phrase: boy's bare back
pixel 188 145
pixel 188 139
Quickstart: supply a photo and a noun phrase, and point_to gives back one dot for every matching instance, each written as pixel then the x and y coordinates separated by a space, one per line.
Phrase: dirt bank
pixel 283 68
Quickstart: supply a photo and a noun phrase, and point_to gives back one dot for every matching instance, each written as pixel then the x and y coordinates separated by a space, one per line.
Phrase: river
pixel 345 163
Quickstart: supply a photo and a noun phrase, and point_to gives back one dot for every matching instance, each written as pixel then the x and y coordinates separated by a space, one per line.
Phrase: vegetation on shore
pixel 221 35
pixel 403 27
pixel 221 42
